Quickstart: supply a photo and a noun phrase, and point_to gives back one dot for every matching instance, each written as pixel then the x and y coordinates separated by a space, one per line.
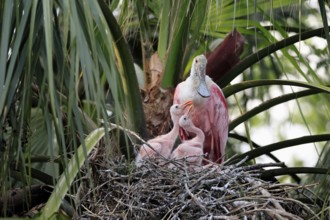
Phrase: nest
pixel 154 191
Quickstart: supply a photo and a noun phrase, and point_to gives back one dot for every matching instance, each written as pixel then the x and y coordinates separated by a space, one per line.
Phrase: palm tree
pixel 68 80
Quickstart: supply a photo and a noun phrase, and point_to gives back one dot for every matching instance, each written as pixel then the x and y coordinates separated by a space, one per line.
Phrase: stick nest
pixel 153 191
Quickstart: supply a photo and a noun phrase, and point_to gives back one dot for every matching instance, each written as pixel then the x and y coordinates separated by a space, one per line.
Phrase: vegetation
pixel 68 81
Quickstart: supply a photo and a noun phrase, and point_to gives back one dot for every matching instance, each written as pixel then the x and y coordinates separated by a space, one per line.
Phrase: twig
pixel 154 191
pixel 242 161
pixel 175 216
pixel 220 217
pixel 276 214
pixel 89 211
pixel 195 199
pixel 134 207
pixel 112 125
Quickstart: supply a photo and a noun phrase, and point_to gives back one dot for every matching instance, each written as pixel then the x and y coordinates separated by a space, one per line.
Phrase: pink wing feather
pixel 215 141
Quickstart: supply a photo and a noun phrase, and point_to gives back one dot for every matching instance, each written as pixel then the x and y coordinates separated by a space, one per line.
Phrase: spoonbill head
pixel 197 74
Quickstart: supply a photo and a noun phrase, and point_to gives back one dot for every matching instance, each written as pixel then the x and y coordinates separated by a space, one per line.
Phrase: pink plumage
pixel 161 146
pixel 191 149
pixel 208 109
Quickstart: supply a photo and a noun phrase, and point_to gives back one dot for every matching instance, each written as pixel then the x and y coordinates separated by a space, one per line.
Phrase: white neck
pixel 200 137
pixel 174 132
pixel 193 81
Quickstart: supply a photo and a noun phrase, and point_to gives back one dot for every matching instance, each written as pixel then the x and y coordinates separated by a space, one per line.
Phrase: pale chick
pixel 191 149
pixel 162 146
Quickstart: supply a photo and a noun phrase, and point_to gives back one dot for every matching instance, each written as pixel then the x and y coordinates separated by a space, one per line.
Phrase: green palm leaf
pixel 70 173
pixel 254 58
pixel 280 145
pixel 233 89
pixel 268 104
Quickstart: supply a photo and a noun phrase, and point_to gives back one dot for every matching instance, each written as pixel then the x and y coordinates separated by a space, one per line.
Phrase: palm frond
pixel 254 58
pixel 280 145
pixel 70 173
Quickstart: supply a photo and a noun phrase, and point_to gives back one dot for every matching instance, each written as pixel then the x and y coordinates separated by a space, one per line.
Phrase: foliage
pixel 66 68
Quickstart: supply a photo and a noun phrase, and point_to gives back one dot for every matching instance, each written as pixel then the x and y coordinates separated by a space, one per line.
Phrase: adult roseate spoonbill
pixel 208 109
pixel 191 149
pixel 162 145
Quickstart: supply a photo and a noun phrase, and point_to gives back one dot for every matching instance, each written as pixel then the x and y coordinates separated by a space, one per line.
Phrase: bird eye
pixel 196 61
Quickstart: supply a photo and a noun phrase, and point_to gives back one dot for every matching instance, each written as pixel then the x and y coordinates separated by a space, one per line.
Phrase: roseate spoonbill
pixel 191 149
pixel 162 145
pixel 208 109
